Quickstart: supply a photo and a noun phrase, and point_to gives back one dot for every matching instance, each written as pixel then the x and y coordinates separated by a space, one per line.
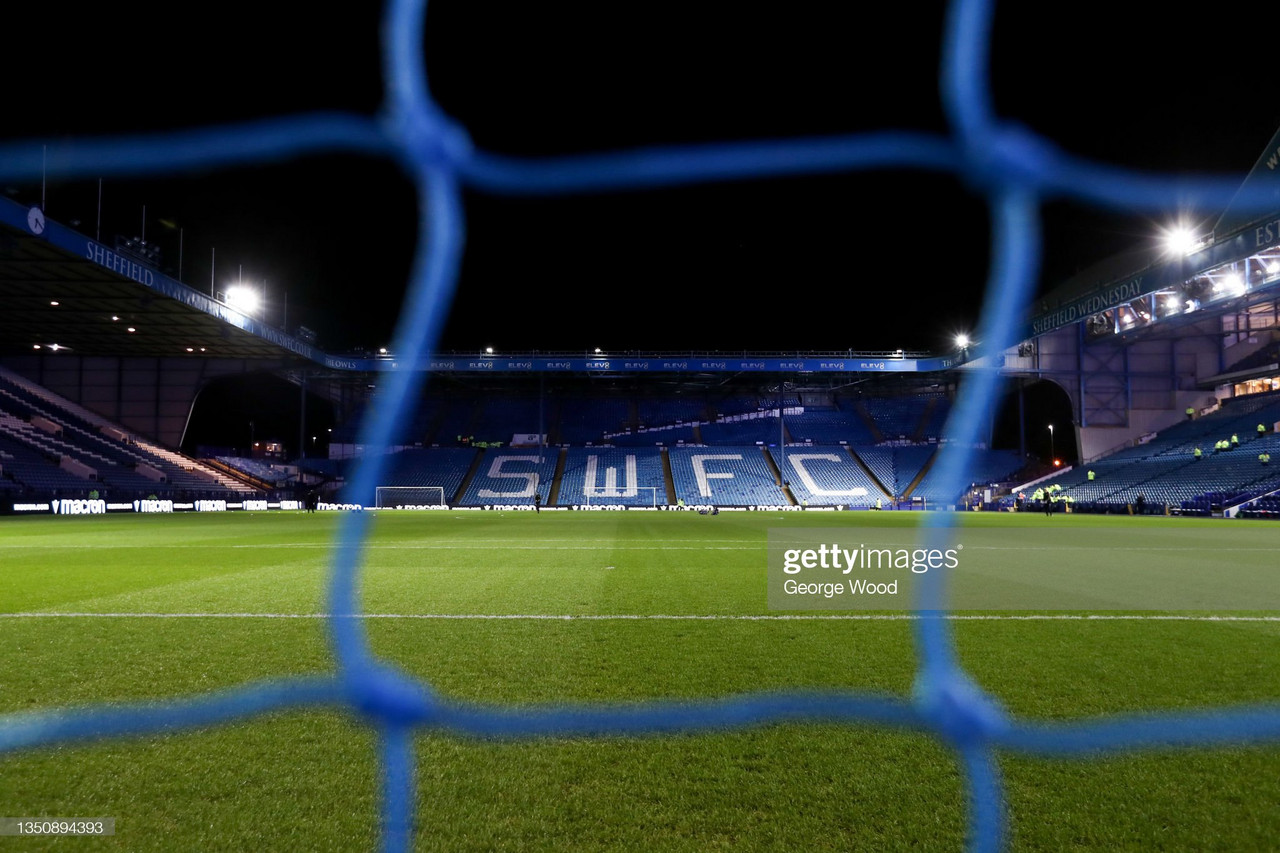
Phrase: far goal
pixel 409 497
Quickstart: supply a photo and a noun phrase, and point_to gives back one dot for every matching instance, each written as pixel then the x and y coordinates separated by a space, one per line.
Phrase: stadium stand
pixel 511 477
pixel 862 428
pixel 612 476
pixel 1165 472
pixel 265 472
pixel 899 418
pixel 725 476
pixel 749 430
pixel 499 418
pixel 664 435
pixel 828 477
pixel 826 426
pixel 98 455
pixel 987 467
pixel 587 420
pixel 896 468
pixel 657 412
pixel 446 467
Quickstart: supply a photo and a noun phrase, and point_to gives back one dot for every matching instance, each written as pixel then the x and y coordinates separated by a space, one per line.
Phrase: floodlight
pixel 488 350
pixel 1180 240
pixel 962 340
pixel 244 298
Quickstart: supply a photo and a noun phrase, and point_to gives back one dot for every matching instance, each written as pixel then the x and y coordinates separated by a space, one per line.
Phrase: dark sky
pixel 862 261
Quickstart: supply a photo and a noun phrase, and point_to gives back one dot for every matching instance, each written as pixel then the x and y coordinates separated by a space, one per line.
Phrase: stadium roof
pixel 64 291
pixel 56 298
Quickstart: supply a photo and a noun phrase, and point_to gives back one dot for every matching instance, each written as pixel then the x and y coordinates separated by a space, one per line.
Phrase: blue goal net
pixel 1015 170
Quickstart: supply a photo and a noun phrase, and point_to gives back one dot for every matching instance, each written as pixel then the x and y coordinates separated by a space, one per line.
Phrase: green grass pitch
pixel 307 780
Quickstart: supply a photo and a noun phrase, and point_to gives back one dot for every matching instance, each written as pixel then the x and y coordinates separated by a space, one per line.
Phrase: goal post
pixel 408 497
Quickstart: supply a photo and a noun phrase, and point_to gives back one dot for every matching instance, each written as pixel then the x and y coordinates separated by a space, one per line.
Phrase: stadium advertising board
pixel 97 506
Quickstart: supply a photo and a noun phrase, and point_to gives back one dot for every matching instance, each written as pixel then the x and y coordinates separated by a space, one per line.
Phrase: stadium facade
pixel 105 359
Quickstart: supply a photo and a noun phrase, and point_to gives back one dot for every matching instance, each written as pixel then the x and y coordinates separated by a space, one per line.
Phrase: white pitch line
pixel 623 617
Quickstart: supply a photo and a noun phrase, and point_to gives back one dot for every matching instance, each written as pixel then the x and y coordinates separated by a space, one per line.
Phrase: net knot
pixel 958 709
pixel 1010 155
pixel 387 694
pixel 429 138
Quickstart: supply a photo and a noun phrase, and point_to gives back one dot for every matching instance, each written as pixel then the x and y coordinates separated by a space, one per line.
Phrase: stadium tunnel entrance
pixel 232 414
pixel 1026 413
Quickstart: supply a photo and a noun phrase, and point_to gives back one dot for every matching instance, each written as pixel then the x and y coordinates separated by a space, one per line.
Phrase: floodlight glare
pixel 962 340
pixel 243 298
pixel 1235 284
pixel 1180 240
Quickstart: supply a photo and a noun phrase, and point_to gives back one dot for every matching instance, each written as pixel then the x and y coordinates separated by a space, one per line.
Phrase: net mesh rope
pixel 1014 169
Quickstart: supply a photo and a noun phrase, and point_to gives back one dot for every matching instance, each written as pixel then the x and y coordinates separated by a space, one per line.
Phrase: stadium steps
pixel 866 469
pixel 924 469
pixel 669 479
pixel 553 497
pixel 860 408
pixel 191 466
pixel 919 435
pixel 244 476
pixel 154 451
pixel 777 476
pixel 466 481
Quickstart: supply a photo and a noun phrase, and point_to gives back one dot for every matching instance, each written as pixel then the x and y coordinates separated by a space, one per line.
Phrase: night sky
pixel 861 261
